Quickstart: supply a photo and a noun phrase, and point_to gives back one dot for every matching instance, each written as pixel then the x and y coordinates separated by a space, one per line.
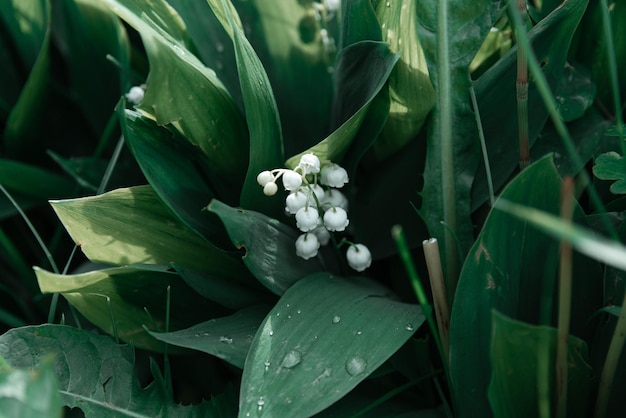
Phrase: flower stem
pixel 437 285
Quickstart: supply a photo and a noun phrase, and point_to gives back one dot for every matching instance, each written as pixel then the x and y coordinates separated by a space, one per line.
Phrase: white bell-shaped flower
pixel 322 235
pixel 295 201
pixel 265 177
pixel 307 245
pixel 317 190
pixel 333 175
pixel 335 198
pixel 307 218
pixel 291 180
pixel 135 95
pixel 310 164
pixel 336 219
pixel 359 257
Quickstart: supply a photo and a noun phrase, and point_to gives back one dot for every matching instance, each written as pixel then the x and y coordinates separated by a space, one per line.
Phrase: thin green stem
pixel 438 288
pixel 521 88
pixel 550 102
pixel 483 145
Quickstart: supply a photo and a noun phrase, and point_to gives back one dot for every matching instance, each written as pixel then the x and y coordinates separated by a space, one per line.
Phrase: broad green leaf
pixel 411 92
pixel 28 21
pixel 359 23
pixel 611 166
pixel 176 171
pixel 97 375
pixel 325 335
pixel 365 66
pixel 228 293
pixel 30 393
pixel 512 279
pixel 451 33
pixel 132 297
pixel 266 141
pixel 228 338
pixel 497 101
pixel 183 92
pixel 132 226
pixel 91 31
pixel 517 349
pixel 270 247
pixel 286 35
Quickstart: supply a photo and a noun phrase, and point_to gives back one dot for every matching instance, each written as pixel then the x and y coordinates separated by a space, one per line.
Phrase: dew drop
pixel 226 340
pixel 299 311
pixel 277 313
pixel 197 335
pixel 336 319
pixel 356 366
pixel 219 47
pixel 359 332
pixel 271 333
pixel 292 359
pixel 388 4
pixel 267 365
pixel 409 327
pixel 260 403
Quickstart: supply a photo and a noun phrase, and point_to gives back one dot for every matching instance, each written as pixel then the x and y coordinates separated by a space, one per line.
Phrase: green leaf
pixel 359 23
pixel 132 226
pixel 512 279
pixel 29 23
pixel 575 93
pixel 270 247
pixel 226 292
pixel 266 141
pixel 228 338
pixel 183 92
pixel 96 375
pixel 30 393
pixel 364 68
pixel 611 166
pixel 411 92
pixel 91 31
pixel 123 300
pixel 550 40
pixel 176 171
pixel 517 350
pixel 451 33
pixel 325 335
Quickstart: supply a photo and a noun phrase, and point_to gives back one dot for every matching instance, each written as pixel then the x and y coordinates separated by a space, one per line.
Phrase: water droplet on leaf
pixel 292 359
pixel 356 366
pixel 226 340
pixel 409 327
pixel 336 319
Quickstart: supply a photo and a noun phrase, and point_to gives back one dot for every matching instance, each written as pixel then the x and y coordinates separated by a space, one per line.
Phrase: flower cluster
pixel 319 207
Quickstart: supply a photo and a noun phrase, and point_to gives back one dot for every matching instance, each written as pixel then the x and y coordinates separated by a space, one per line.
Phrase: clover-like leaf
pixel 611 166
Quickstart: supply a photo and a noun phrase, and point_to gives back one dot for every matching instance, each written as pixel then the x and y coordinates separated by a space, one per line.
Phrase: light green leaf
pixel 270 247
pixel 132 226
pixel 325 335
pixel 611 166
pixel 123 300
pixel 228 338
pixel 97 375
pixel 183 92
pixel 30 393
pixel 517 349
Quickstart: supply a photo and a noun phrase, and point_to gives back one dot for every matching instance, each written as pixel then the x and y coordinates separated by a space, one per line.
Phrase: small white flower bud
pixel 310 164
pixel 291 180
pixel 335 198
pixel 264 177
pixel 270 189
pixel 307 246
pixel 334 175
pixel 135 95
pixel 322 235
pixel 359 257
pixel 307 219
pixel 336 219
pixel 295 201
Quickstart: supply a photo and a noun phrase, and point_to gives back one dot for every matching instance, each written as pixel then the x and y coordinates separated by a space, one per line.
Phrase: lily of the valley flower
pixel 359 257
pixel 307 246
pixel 333 175
pixel 135 95
pixel 307 218
pixel 336 219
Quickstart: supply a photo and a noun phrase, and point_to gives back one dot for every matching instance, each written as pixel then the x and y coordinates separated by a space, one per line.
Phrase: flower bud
pixel 359 257
pixel 264 177
pixel 270 189
pixel 135 95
